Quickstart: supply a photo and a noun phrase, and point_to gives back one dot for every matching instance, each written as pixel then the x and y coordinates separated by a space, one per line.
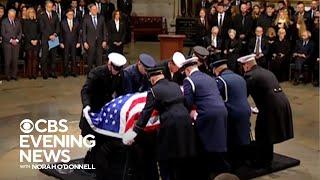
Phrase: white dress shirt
pixel 260 50
pixel 70 24
pixel 220 18
pixel 213 41
pixel 117 25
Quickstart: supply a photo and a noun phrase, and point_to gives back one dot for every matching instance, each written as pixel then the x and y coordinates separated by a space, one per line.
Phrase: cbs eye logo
pixel 26 126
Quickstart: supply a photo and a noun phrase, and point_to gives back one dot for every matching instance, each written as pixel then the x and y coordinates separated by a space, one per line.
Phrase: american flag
pixel 119 115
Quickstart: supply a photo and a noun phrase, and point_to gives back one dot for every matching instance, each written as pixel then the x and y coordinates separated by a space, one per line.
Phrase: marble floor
pixel 57 99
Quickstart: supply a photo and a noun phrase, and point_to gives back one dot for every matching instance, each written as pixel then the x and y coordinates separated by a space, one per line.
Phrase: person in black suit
pixel 222 20
pixel 213 42
pixel 116 33
pixel 125 6
pixel 232 48
pixel 279 64
pixel 202 4
pixel 31 32
pixel 107 9
pixel 186 7
pixel 94 36
pixel 77 13
pixel 302 13
pixel 59 8
pixel 11 32
pixel 266 20
pixel 70 41
pixel 49 28
pixel 83 8
pixel 314 7
pixel 243 24
pixel 302 53
pixel 259 45
pixel 203 27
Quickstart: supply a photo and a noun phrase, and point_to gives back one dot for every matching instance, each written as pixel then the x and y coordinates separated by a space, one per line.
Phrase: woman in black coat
pixel 231 50
pixel 175 139
pixel 203 27
pixel 116 33
pixel 31 33
pixel 280 61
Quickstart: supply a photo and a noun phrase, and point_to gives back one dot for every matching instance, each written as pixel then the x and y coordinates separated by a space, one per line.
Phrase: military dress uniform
pixel 134 80
pixel 274 120
pixel 144 150
pixel 203 54
pixel 100 87
pixel 201 92
pixel 233 90
pixel 177 77
pixel 175 138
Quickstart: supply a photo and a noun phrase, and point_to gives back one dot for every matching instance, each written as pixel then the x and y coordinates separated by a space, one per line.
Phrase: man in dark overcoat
pixel 274 120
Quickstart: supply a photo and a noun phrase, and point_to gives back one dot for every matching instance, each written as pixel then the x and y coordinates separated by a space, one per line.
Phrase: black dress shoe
pixel 45 76
pixel 34 77
pixel 8 78
pixel 15 78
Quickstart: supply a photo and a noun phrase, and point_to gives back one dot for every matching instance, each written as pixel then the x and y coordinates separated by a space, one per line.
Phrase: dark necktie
pixel 220 20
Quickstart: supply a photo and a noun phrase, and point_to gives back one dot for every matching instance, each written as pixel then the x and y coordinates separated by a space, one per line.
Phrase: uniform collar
pixel 193 70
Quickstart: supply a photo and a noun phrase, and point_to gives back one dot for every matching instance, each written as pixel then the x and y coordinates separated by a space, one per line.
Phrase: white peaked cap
pixel 190 60
pixel 245 59
pixel 178 58
pixel 117 59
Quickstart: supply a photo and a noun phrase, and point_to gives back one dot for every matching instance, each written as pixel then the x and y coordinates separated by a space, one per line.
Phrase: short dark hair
pixel 91 5
pixel 300 2
pixel 220 4
pixel 69 10
pixel 270 6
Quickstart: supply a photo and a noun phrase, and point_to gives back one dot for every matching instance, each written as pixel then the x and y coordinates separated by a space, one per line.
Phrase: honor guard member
pixel 274 119
pixel 201 92
pixel 202 54
pixel 136 80
pixel 171 68
pixel 102 85
pixel 135 74
pixel 175 139
pixel 233 89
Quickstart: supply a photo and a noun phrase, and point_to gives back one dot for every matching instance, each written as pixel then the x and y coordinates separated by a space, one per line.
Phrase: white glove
pixel 128 137
pixel 254 110
pixel 85 112
pixel 193 114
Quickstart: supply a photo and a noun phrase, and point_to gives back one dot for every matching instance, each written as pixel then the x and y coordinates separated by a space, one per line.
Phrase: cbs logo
pixel 42 125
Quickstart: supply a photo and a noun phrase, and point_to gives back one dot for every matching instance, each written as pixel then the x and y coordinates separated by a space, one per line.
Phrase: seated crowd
pixel 284 39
